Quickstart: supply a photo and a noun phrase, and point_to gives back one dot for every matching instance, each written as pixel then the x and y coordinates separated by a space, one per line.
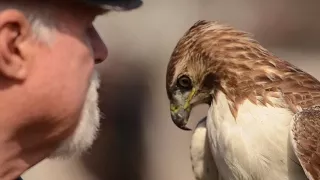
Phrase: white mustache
pixel 95 79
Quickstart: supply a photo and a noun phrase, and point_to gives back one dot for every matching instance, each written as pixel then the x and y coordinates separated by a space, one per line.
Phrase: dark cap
pixel 117 5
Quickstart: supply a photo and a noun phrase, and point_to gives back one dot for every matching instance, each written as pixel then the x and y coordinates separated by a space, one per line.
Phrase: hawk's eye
pixel 184 82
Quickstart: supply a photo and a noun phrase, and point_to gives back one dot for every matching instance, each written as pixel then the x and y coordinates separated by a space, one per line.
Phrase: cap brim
pixel 116 5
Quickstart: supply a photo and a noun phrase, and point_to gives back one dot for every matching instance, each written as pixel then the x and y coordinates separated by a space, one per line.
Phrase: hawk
pixel 263 121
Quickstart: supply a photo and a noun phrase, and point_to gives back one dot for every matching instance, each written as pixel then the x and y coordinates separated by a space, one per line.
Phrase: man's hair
pixel 40 16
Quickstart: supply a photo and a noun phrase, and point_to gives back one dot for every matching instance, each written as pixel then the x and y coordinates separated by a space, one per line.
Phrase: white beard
pixel 85 133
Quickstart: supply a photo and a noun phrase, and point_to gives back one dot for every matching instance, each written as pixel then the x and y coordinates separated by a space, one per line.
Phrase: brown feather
pixel 306 135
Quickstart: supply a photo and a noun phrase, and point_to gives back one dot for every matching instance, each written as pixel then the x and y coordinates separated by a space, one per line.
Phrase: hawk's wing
pixel 203 164
pixel 305 139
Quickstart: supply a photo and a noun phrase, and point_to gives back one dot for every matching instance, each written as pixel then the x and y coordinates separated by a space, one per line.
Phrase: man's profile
pixel 48 83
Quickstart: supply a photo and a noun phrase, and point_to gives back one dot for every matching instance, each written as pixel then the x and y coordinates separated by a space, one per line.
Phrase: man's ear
pixel 14 30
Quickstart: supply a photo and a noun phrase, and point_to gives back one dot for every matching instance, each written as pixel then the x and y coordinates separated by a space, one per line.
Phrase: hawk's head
pixel 213 57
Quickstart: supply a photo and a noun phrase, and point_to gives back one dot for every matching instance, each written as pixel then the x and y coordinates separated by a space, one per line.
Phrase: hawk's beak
pixel 180 112
pixel 180 118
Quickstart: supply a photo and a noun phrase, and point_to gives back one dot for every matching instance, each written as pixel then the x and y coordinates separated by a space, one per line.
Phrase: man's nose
pixel 100 50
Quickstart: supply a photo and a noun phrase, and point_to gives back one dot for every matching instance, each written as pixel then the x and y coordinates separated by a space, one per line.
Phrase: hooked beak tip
pixel 180 121
pixel 182 126
pixel 185 128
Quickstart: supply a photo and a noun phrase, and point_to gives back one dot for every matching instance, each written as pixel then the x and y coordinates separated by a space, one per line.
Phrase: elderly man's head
pixel 47 78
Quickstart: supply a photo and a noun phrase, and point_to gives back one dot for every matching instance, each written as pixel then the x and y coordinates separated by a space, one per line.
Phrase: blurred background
pixel 138 141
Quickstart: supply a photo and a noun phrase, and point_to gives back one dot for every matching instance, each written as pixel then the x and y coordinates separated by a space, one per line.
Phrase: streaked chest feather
pixel 252 146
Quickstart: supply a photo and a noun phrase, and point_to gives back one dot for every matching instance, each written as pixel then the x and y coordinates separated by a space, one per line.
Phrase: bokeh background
pixel 138 141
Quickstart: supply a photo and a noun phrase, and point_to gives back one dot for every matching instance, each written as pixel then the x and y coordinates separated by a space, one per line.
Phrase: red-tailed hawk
pixel 263 121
